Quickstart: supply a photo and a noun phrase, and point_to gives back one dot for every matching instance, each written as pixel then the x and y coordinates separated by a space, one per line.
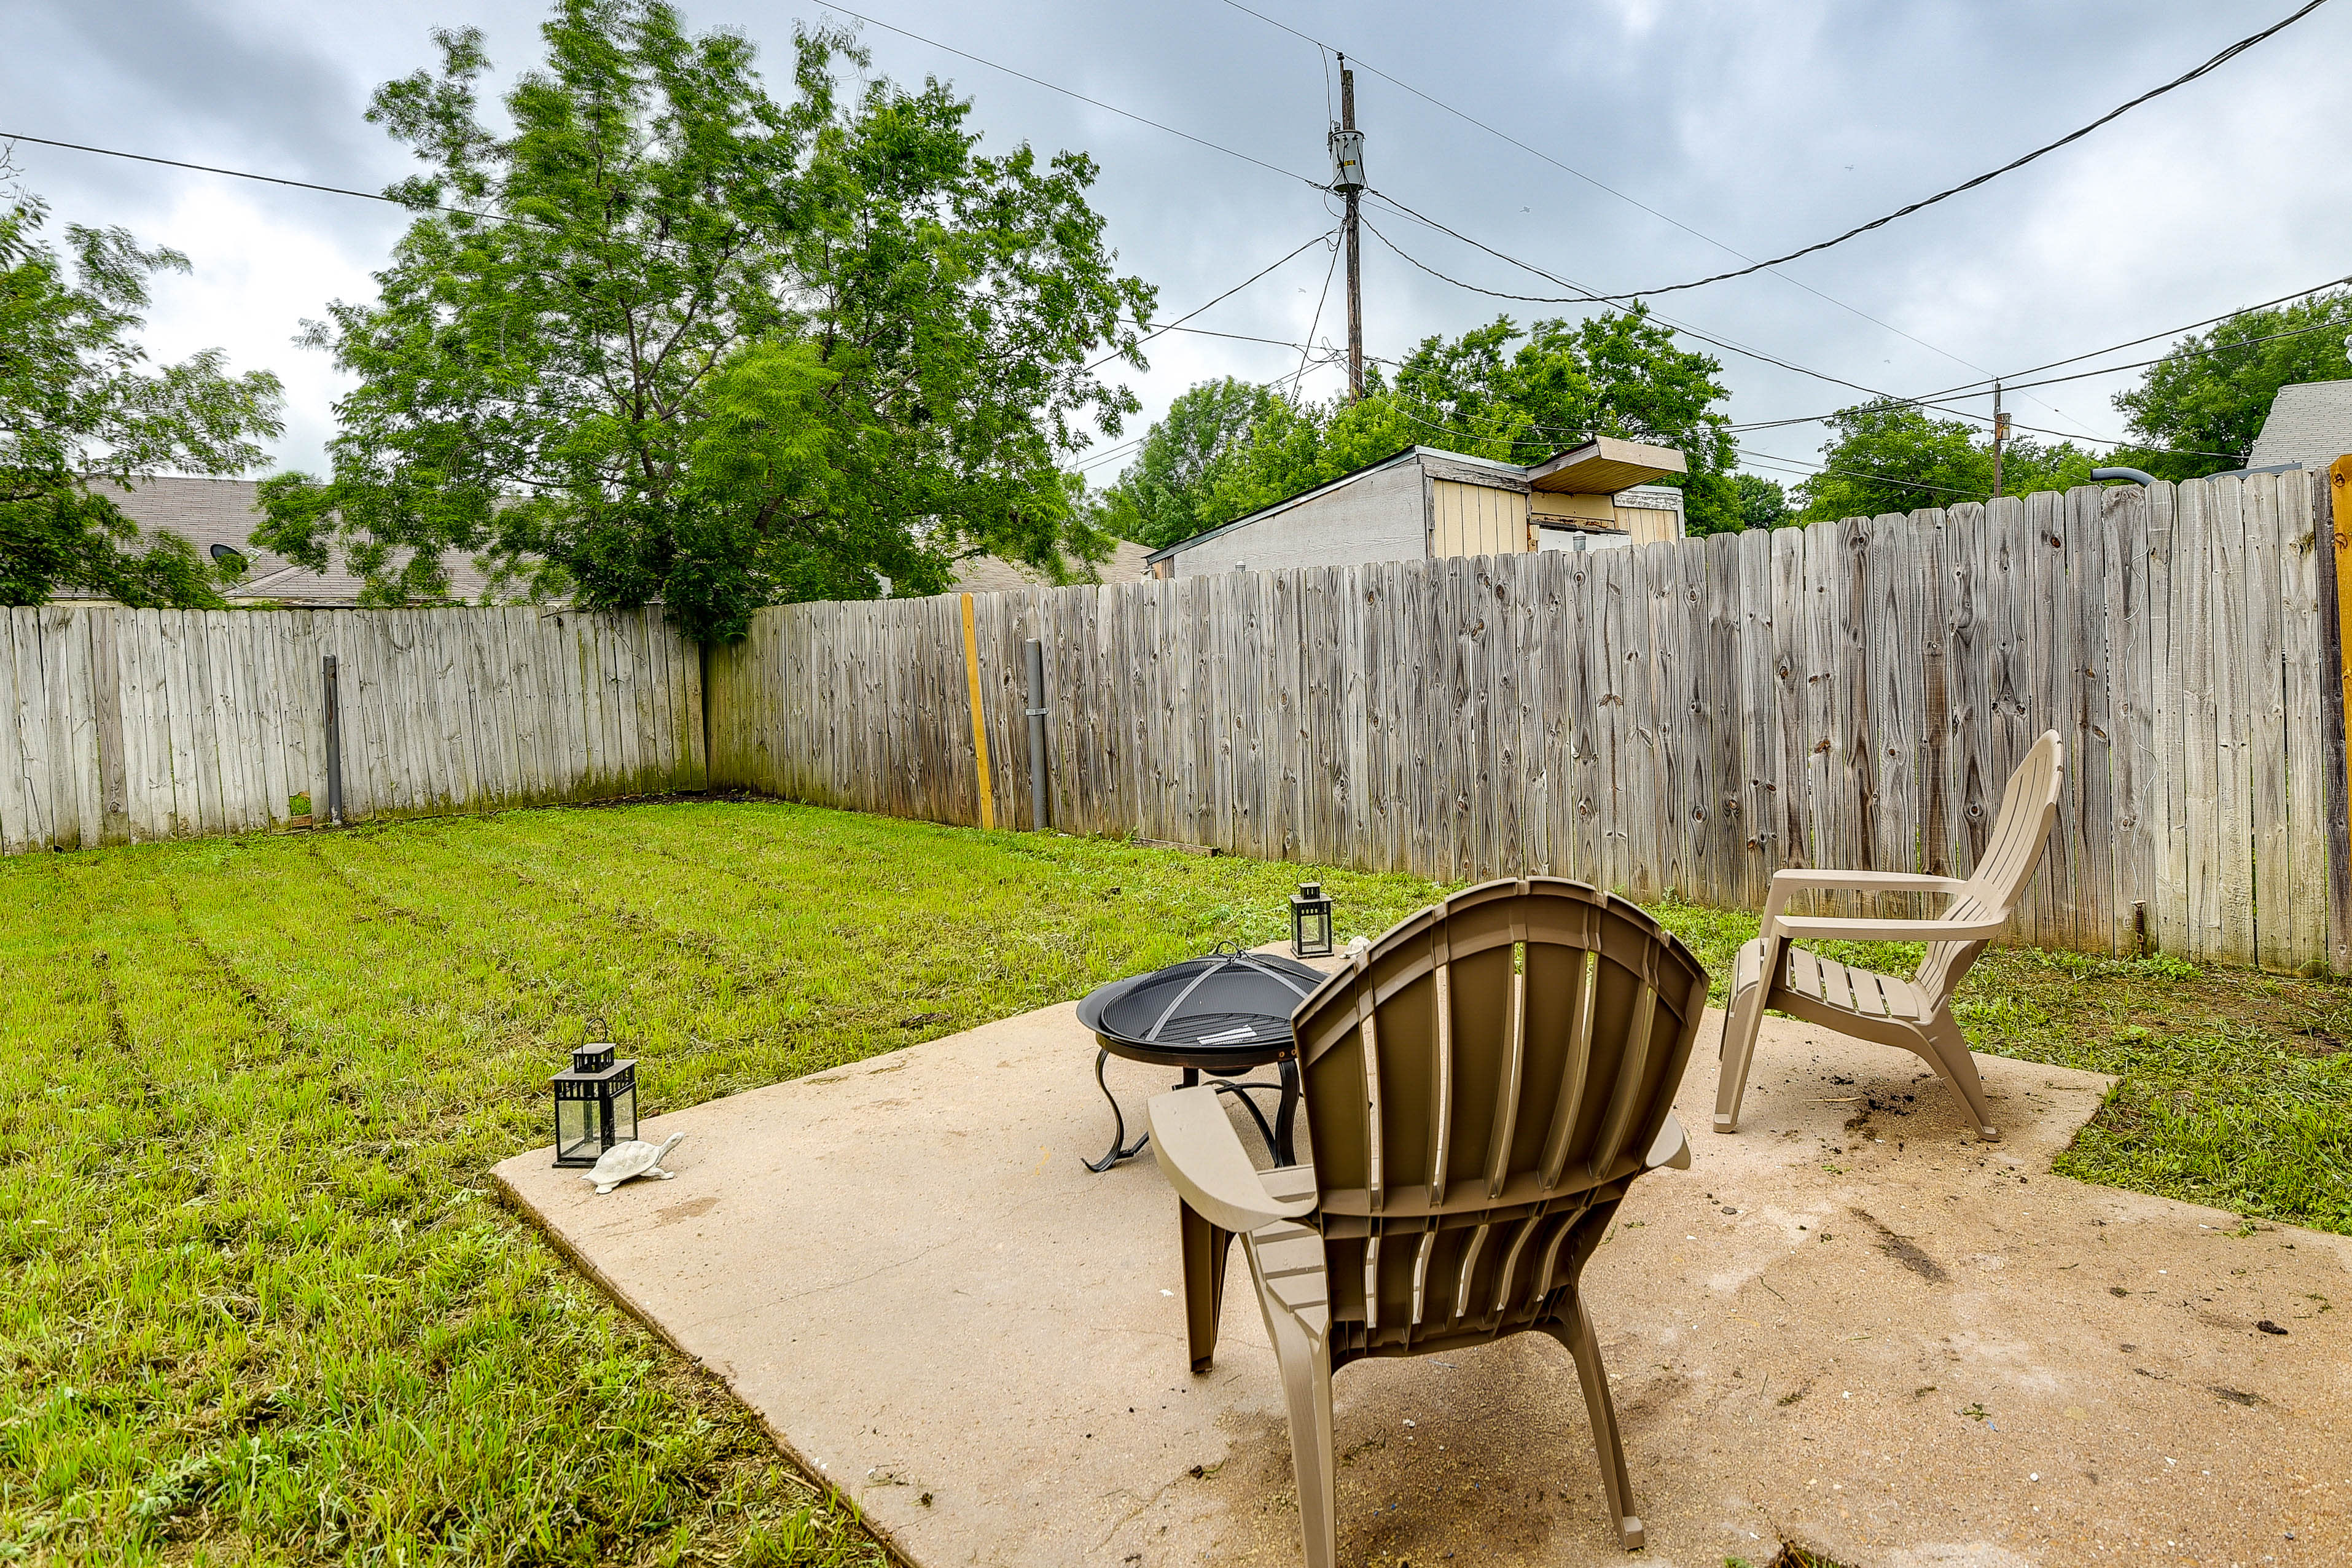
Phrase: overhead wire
pixel 2054 381
pixel 1228 293
pixel 1682 327
pixel 2218 60
pixel 1322 300
pixel 273 180
pixel 1798 465
pixel 1978 388
pixel 1071 93
pixel 1604 187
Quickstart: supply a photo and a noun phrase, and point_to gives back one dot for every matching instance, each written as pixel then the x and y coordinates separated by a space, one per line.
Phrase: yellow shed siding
pixel 1477 519
pixel 1648 525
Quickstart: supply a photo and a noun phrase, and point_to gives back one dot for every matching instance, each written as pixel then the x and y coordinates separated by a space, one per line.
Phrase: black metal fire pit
pixel 1219 1014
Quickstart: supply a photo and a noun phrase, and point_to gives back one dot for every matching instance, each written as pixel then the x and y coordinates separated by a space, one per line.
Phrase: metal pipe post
pixel 1039 818
pixel 334 743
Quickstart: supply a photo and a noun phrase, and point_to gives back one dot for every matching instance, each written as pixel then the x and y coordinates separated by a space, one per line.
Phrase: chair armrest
pixel 1673 1147
pixel 1811 929
pixel 1785 882
pixel 1203 1160
pixel 1890 881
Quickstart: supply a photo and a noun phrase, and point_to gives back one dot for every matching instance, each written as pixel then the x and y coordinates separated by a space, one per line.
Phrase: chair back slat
pixel 1626 1094
pixel 1570 1024
pixel 1477 1085
pixel 1507 1098
pixel 1441 1074
pixel 2029 806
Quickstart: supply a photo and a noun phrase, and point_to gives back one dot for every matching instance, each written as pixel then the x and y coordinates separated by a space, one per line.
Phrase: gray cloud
pixel 1763 126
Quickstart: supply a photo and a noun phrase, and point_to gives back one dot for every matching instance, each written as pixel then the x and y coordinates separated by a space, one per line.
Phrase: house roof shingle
pixel 1127 562
pixel 2310 422
pixel 209 512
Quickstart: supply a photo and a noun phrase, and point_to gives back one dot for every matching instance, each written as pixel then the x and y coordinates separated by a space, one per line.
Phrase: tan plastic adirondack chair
pixel 1481 1088
pixel 1916 1014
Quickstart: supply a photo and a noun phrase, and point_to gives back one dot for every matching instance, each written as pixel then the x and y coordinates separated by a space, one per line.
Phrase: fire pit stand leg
pixel 1276 1133
pixel 1120 1149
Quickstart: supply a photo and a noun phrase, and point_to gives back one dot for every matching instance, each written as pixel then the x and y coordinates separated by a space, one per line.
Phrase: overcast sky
pixel 1759 126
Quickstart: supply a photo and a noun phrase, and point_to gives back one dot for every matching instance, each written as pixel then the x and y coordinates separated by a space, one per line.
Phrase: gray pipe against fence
pixel 1040 818
pixel 332 703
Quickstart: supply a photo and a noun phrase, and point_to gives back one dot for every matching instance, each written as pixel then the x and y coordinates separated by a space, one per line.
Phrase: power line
pixel 1082 97
pixel 1320 301
pixel 1228 293
pixel 2053 381
pixel 2148 338
pixel 1611 190
pixel 1588 298
pixel 272 180
pixel 1904 212
pixel 1238 337
pixel 1799 464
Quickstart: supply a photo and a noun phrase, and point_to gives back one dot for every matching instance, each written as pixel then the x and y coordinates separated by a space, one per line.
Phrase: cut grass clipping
pixel 259 1306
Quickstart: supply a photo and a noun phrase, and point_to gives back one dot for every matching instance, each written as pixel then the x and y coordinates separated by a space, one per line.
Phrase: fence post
pixel 334 742
pixel 979 716
pixel 1040 816
pixel 2332 525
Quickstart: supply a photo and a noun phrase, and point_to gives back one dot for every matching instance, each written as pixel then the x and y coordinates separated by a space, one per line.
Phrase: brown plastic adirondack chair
pixel 1916 1014
pixel 1482 1086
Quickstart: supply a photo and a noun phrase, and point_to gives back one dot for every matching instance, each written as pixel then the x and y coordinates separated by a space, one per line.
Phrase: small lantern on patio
pixel 595 1105
pixel 1311 921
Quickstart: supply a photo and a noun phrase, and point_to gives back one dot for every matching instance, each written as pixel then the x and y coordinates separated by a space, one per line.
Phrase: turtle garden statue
pixel 635 1159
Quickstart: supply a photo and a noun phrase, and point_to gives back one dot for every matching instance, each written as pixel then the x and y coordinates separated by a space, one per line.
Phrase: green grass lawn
pixel 258 1305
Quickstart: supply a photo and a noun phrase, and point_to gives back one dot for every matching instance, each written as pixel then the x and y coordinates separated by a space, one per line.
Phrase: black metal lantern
pixel 1311 921
pixel 595 1105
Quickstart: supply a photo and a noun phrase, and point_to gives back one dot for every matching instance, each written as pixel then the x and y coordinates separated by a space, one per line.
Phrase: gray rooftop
pixel 1127 562
pixel 2311 424
pixel 209 512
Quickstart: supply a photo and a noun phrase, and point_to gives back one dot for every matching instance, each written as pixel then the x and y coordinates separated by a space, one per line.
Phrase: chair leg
pixel 1740 1022
pixel 1206 1249
pixel 1950 1057
pixel 1576 1333
pixel 1304 1359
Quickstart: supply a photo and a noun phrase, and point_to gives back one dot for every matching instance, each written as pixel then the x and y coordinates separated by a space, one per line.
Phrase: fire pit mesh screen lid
pixel 1226 999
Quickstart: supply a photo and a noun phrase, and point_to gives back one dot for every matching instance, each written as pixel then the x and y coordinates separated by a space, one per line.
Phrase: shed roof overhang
pixel 1604 466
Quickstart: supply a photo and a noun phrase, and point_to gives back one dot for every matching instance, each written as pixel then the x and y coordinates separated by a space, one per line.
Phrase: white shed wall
pixel 1377 517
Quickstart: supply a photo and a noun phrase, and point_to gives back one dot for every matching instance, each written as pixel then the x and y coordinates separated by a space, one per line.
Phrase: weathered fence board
pixel 129 725
pixel 1683 717
pixel 1680 718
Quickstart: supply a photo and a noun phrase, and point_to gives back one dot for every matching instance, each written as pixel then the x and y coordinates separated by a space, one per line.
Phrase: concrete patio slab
pixel 1851 1322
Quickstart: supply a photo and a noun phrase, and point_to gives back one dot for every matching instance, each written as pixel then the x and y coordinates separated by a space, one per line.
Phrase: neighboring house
pixel 1423 504
pixel 2309 424
pixel 1127 562
pixel 216 515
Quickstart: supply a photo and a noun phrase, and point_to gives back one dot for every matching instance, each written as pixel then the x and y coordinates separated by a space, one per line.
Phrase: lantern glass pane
pixel 624 1116
pixel 578 1129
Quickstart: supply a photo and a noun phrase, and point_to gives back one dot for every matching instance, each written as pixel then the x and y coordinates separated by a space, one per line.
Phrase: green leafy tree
pixel 1159 499
pixel 709 348
pixel 2198 410
pixel 1893 457
pixel 77 398
pixel 1494 392
pixel 1763 504
pixel 1618 374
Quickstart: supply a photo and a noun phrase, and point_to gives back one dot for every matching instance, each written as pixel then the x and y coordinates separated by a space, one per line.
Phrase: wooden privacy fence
pixel 133 724
pixel 1681 718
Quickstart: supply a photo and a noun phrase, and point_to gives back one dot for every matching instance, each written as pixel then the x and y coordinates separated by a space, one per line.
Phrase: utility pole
pixel 1999 436
pixel 1348 178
